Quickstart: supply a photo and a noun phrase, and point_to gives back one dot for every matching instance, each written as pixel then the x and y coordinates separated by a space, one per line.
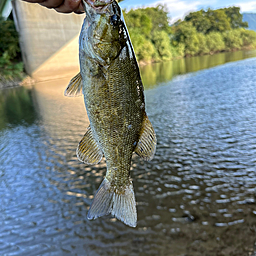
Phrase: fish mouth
pixel 99 6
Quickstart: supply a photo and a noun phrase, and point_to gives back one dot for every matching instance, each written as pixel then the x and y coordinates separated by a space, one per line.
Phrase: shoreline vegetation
pixel 144 63
pixel 205 32
pixel 200 33
pixel 11 66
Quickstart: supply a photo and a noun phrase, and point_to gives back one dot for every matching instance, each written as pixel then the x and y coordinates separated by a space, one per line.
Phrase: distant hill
pixel 251 19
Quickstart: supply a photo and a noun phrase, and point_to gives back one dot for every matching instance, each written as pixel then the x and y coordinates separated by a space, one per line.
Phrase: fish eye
pixel 114 19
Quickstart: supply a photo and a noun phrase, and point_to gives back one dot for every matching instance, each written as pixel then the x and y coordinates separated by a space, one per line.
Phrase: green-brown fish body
pixel 114 99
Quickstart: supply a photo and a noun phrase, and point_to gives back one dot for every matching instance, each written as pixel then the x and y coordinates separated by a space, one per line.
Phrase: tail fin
pixel 122 206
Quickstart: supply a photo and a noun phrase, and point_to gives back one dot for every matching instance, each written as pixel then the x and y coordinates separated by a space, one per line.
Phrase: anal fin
pixel 88 150
pixel 75 86
pixel 146 146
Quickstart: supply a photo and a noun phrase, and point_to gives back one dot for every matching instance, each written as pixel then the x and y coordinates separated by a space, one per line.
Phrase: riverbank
pixel 16 82
pixel 245 48
pixel 9 83
pixel 158 71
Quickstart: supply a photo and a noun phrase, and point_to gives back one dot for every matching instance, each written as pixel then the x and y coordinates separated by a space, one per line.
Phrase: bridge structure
pixel 5 8
pixel 48 40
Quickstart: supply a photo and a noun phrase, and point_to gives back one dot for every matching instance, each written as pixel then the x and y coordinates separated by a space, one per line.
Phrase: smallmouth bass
pixel 110 81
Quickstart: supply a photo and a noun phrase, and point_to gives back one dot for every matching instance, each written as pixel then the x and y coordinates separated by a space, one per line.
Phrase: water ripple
pixel 198 191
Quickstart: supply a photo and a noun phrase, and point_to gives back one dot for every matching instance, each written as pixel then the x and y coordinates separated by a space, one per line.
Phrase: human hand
pixel 64 6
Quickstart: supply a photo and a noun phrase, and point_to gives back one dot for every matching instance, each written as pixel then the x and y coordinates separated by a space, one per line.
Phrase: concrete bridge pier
pixel 48 40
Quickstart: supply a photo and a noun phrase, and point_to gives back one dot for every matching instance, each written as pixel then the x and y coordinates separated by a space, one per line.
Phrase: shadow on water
pixel 156 73
pixel 196 197
pixel 16 107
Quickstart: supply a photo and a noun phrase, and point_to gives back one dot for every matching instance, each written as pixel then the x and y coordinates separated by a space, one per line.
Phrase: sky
pixel 179 8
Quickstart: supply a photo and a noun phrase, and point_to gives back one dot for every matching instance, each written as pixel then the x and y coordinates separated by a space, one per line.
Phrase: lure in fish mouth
pixel 110 81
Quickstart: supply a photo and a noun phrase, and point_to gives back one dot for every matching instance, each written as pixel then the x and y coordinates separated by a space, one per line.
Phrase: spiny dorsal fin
pixel 146 146
pixel 88 150
pixel 75 86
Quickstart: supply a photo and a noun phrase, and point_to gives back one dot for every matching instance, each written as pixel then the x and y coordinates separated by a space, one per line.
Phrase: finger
pixel 69 6
pixel 34 1
pixel 80 9
pixel 52 3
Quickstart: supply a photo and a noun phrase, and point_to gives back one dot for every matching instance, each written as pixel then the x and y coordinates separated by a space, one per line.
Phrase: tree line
pixel 11 65
pixel 154 39
pixel 202 32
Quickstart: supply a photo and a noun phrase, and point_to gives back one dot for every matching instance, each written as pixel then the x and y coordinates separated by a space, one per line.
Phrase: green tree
pixel 248 37
pixel 235 17
pixel 201 32
pixel 199 20
pixel 178 50
pixel 203 46
pixel 149 29
pixel 136 19
pixel 144 49
pixel 159 17
pixel 162 44
pixel 233 39
pixel 215 42
pixel 10 67
pixel 9 38
pixel 186 33
pixel 219 20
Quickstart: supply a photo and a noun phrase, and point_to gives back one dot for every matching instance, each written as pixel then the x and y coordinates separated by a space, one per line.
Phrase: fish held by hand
pixel 110 81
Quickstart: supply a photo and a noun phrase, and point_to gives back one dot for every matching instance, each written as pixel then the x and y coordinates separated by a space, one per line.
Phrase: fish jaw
pixel 98 3
pixel 97 6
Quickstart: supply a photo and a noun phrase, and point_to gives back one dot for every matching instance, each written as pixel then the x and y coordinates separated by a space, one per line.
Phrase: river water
pixel 196 197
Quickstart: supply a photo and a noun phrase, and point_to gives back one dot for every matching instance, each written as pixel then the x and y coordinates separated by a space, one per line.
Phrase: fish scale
pixel 113 92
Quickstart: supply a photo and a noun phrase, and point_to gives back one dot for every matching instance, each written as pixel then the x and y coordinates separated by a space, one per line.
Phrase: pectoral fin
pixel 88 150
pixel 75 86
pixel 146 146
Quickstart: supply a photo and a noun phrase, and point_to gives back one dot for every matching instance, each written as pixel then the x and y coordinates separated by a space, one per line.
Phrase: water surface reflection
pixel 157 73
pixel 196 197
pixel 16 107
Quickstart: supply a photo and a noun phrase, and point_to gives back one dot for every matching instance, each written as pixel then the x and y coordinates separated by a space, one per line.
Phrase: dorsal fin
pixel 88 150
pixel 75 86
pixel 146 146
